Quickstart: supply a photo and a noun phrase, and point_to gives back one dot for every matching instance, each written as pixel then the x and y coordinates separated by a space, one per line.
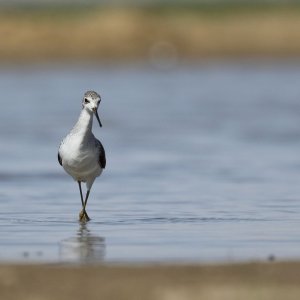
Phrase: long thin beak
pixel 97 116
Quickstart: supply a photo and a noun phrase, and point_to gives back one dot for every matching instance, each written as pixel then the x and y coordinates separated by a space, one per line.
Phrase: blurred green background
pixel 130 30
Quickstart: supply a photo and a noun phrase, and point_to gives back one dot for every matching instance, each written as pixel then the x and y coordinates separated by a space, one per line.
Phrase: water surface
pixel 203 163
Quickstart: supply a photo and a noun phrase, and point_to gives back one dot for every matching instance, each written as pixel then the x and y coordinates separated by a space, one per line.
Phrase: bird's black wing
pixel 59 159
pixel 102 157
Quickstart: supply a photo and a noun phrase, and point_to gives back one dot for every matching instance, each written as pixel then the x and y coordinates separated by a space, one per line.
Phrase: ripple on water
pixel 193 172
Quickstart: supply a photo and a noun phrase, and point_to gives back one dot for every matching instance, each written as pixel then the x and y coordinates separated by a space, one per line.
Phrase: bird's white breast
pixel 79 159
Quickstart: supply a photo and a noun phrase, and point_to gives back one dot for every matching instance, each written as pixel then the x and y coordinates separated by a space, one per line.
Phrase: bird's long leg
pixel 79 184
pixel 86 198
pixel 83 214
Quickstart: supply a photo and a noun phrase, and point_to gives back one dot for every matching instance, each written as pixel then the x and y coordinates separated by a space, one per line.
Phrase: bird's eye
pixel 86 101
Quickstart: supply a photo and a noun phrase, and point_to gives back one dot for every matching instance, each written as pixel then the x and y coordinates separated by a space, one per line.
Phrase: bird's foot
pixel 83 216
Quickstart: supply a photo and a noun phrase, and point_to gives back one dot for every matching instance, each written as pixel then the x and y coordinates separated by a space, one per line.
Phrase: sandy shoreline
pixel 237 281
pixel 128 34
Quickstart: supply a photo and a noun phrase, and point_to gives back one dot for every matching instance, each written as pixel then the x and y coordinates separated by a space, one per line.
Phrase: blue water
pixel 203 163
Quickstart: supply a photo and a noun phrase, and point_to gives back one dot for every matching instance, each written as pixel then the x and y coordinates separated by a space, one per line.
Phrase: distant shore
pixel 248 281
pixel 113 34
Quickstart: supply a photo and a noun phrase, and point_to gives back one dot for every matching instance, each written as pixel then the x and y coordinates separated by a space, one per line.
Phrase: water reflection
pixel 237 148
pixel 85 247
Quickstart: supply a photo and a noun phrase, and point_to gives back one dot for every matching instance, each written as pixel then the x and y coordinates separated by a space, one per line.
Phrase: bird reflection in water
pixel 83 248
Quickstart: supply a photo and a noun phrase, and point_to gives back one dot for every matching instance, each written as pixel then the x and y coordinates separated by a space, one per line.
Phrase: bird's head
pixel 91 101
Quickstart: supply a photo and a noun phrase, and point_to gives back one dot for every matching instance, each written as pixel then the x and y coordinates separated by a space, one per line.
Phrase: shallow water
pixel 203 163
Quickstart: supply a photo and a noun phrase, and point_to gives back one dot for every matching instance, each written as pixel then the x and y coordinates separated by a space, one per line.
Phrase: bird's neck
pixel 85 122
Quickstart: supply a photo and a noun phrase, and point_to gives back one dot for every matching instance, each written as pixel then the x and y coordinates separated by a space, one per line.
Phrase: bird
pixel 80 154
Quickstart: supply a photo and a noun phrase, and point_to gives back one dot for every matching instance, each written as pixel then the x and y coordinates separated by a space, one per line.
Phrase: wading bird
pixel 80 154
